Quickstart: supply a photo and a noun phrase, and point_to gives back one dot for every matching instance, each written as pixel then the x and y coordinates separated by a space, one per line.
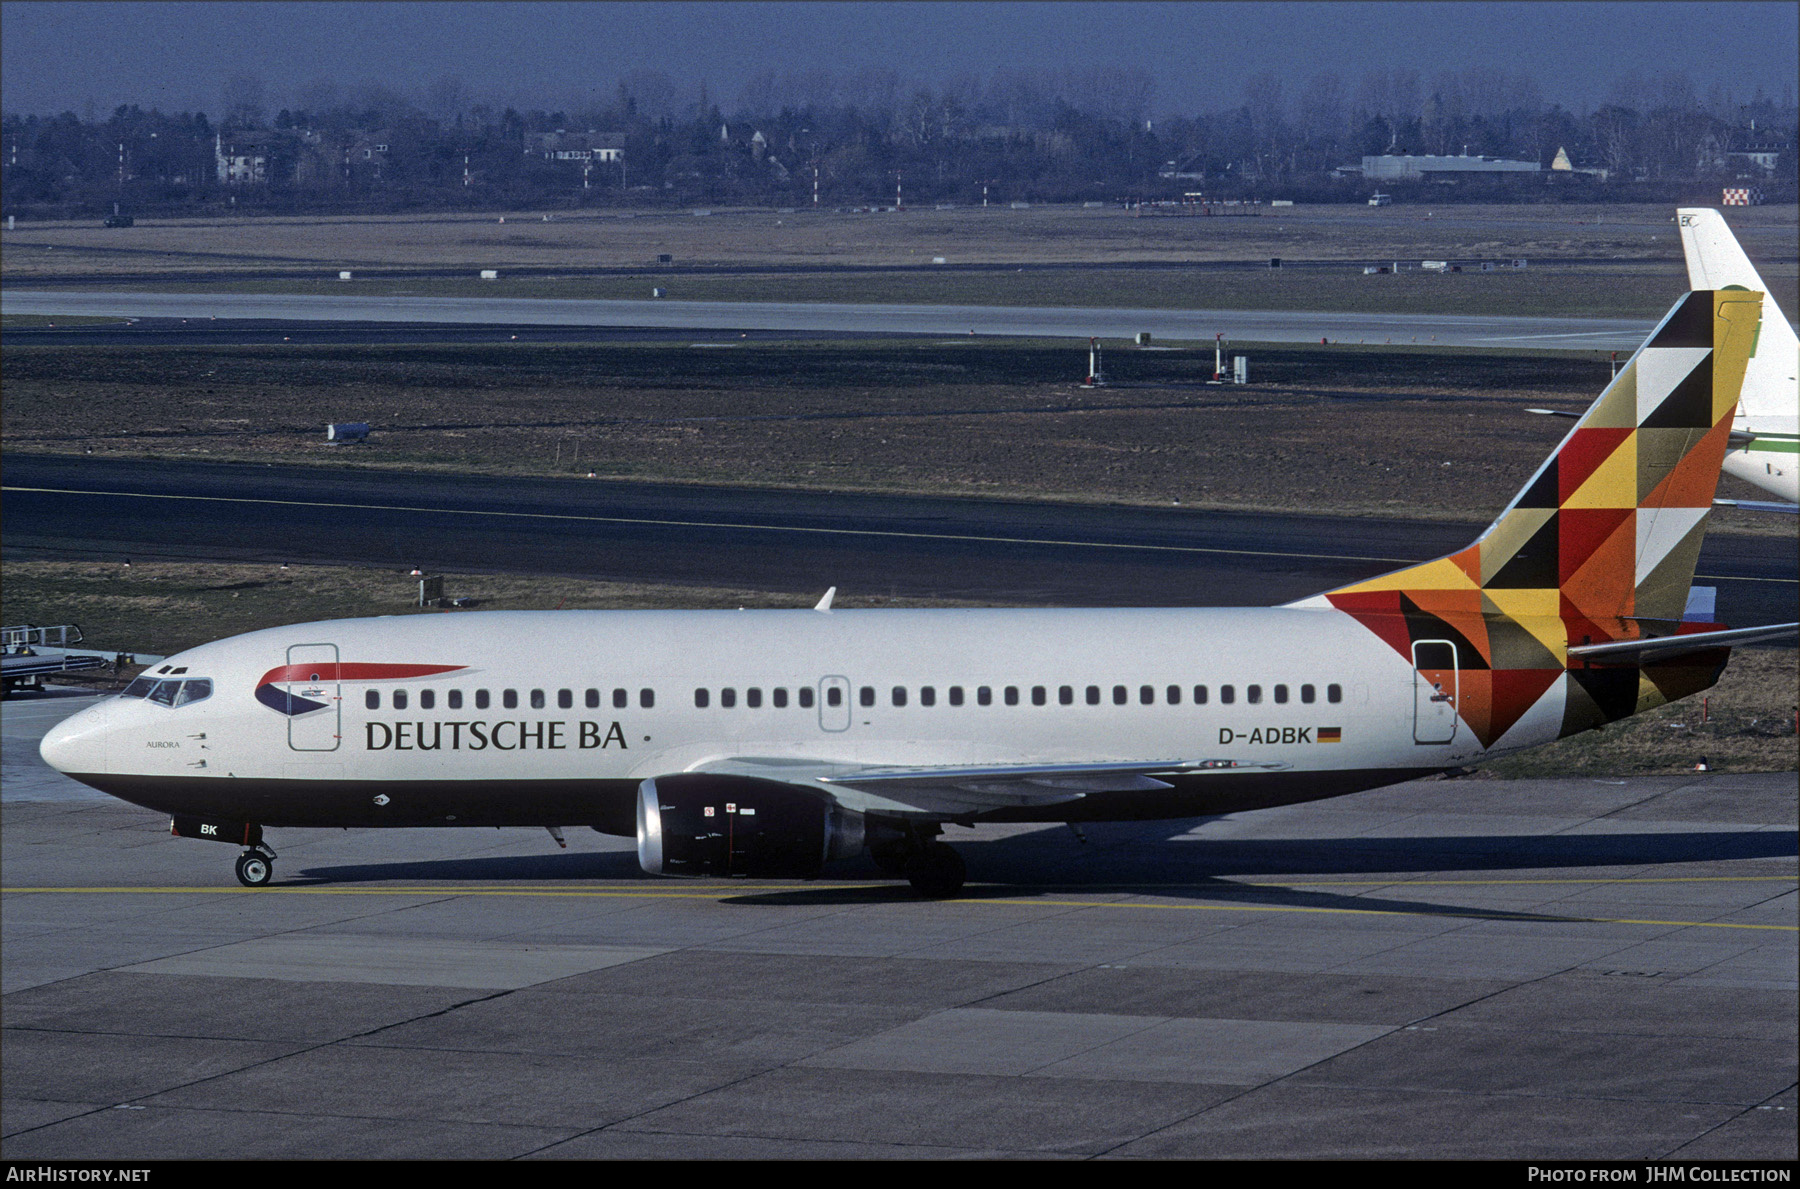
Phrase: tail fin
pixel 1715 261
pixel 1599 545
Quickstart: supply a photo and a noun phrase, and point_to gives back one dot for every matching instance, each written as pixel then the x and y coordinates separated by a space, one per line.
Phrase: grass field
pixel 1609 291
pixel 161 608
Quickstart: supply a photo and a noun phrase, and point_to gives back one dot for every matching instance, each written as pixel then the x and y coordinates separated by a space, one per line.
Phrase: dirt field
pixel 1435 434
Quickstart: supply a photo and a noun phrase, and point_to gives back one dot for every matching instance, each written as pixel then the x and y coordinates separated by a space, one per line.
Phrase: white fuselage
pixel 561 697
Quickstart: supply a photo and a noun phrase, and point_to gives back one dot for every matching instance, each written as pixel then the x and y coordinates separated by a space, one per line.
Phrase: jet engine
pixel 701 824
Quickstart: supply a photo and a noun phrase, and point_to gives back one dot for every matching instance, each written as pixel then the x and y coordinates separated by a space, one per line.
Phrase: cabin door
pixel 834 703
pixel 1435 691
pixel 315 720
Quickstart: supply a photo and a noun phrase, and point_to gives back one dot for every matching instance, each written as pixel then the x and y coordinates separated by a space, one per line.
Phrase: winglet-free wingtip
pixel 824 604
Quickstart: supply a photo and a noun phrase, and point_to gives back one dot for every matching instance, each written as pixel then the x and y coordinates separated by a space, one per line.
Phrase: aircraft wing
pixel 953 792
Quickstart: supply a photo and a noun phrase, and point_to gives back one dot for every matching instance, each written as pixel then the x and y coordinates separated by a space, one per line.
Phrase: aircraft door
pixel 315 719
pixel 1435 691
pixel 834 703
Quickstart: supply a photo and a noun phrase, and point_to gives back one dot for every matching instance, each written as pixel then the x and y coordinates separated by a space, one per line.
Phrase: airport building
pixel 1393 168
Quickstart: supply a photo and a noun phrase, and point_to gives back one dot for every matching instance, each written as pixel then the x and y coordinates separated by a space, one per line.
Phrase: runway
pixel 1611 334
pixel 1019 553
pixel 1527 970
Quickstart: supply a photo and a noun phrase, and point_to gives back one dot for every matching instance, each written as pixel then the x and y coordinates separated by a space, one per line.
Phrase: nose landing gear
pixel 256 866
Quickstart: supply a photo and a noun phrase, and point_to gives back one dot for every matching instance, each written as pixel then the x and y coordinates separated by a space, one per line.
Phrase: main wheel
pixel 254 870
pixel 936 872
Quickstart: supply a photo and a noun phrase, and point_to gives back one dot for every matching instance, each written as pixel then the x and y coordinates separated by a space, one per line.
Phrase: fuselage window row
pixel 899 696
pixel 565 699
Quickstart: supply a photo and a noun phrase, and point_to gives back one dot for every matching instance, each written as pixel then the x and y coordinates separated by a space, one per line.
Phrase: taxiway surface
pixel 1266 326
pixel 1568 969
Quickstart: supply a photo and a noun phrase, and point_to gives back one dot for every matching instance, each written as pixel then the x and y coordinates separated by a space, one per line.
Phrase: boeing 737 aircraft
pixel 769 743
pixel 1765 439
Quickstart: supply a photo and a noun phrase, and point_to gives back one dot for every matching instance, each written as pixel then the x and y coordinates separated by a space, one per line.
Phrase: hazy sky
pixel 59 56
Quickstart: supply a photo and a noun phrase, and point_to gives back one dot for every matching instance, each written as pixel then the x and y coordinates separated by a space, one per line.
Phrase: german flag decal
pixel 1331 734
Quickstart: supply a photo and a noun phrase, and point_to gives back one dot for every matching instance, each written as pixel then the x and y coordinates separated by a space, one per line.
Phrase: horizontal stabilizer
pixel 1760 506
pixel 1668 647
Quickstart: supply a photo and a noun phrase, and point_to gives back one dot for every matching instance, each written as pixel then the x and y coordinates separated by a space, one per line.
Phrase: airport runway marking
pixel 739 892
pixel 772 528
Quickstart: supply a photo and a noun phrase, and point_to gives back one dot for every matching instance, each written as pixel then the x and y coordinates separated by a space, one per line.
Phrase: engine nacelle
pixel 700 824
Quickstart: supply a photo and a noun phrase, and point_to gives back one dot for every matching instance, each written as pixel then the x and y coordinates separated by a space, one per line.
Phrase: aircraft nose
pixel 77 744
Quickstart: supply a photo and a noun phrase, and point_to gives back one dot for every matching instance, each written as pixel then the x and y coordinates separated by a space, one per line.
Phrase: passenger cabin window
pixel 701 699
pixel 1147 695
pixel 1281 692
pixel 806 697
pixel 455 699
pixel 428 699
pixel 509 698
pixel 727 698
pixel 372 699
pixel 899 694
pixel 984 695
pixel 1120 695
pixel 1038 695
pixel 834 696
pixel 565 699
pixel 1253 694
pixel 591 699
pixel 1227 694
pixel 927 696
pixel 1065 695
pixel 779 697
pixel 752 697
pixel 1308 694
pixel 621 699
pixel 1012 695
pixel 1174 692
pixel 399 699
pixel 647 698
pixel 537 699
pixel 866 695
pixel 481 699
pixel 1093 695
pixel 956 695
pixel 1334 693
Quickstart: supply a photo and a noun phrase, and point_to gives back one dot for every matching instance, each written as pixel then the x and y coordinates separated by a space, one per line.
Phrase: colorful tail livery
pixel 1598 548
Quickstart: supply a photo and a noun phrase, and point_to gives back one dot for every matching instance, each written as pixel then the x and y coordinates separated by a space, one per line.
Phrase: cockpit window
pixel 175 692
pixel 193 690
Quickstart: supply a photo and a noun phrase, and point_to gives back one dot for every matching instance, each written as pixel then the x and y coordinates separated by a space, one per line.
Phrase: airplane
pixel 772 743
pixel 1765 445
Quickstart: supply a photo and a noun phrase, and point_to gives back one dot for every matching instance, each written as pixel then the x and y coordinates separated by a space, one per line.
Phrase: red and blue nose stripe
pixel 270 693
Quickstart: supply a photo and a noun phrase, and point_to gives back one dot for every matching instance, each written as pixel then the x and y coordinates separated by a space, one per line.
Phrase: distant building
pixel 584 147
pixel 1390 167
pixel 241 161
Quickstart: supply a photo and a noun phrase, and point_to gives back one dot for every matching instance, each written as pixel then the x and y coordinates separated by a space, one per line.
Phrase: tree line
pixel 790 139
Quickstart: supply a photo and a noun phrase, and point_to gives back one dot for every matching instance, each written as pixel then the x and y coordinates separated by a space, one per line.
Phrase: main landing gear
pixel 934 869
pixel 256 866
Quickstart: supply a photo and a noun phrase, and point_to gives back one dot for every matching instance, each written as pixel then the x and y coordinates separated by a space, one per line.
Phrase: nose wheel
pixel 256 867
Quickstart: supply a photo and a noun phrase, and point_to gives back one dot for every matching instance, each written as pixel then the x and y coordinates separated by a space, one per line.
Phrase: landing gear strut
pixel 256 866
pixel 935 871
